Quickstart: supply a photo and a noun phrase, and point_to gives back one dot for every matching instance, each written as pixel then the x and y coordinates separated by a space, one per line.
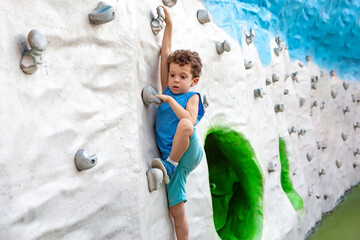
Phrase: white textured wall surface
pixel 87 94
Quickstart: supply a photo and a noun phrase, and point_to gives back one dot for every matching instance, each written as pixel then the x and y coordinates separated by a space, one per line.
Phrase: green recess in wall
pixel 286 184
pixel 236 185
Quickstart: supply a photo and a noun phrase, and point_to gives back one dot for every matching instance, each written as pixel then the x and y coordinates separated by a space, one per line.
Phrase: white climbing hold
pixel 169 3
pixel 250 37
pixel 314 104
pixel 222 47
pixel 279 108
pixel 203 16
pixel 322 172
pixel 205 101
pixel 346 85
pixel 275 78
pixel 287 75
pixel 272 167
pixel 84 162
pixel 338 163
pixel 301 132
pixel 322 105
pixel 344 136
pixel 301 101
pixel 294 76
pixel 267 81
pixel 333 94
pixel 301 64
pixel 309 156
pixel 291 130
pixel 310 191
pixel 103 13
pixel 148 95
pixel 346 109
pixel 158 23
pixel 286 91
pixel 155 179
pixel 308 58
pixel 356 125
pixel 248 64
pixel 258 92
pixel 357 152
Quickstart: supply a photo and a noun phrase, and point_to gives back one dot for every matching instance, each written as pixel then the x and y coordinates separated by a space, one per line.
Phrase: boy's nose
pixel 176 79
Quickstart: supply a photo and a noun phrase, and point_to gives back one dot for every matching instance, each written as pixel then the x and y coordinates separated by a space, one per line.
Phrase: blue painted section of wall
pixel 329 30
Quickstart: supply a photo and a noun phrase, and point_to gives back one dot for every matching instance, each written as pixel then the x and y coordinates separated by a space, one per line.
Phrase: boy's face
pixel 180 79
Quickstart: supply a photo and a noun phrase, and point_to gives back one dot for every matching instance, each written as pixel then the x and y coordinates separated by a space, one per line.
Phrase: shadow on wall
pixel 236 185
pixel 286 184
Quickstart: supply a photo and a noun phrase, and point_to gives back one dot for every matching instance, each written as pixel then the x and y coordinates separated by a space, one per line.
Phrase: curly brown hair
pixel 183 57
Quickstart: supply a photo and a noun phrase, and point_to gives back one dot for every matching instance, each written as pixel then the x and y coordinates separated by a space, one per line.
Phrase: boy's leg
pixel 181 224
pixel 184 131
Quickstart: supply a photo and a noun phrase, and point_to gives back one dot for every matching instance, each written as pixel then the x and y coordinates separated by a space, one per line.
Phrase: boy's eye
pixel 183 77
pixel 172 75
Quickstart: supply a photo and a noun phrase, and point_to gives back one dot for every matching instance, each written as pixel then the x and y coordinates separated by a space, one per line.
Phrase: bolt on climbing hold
pixel 279 108
pixel 286 91
pixel 291 130
pixel 309 156
pixel 311 113
pixel 31 59
pixel 275 78
pixel 280 46
pixel 156 163
pixel 353 97
pixel 338 163
pixel 267 81
pixel 318 196
pixel 301 132
pixel 205 101
pixel 258 92
pixel 333 73
pixel 222 47
pixel 83 162
pixel 313 86
pixel 344 136
pixel 248 64
pixel 333 94
pixel 322 105
pixel 287 75
pixel 346 85
pixel 158 23
pixel 250 37
pixel 326 196
pixel 314 104
pixel 103 13
pixel 357 152
pixel 322 172
pixel 203 16
pixel 346 109
pixel 323 146
pixel 272 167
pixel 310 191
pixel 294 77
pixel 169 3
pixel 301 101
pixel 355 165
pixel 308 58
pixel 301 64
pixel 294 172
pixel 148 95
pixel 155 178
pixel 356 125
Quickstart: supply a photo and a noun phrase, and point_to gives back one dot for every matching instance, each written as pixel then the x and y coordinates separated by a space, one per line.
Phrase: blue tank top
pixel 167 121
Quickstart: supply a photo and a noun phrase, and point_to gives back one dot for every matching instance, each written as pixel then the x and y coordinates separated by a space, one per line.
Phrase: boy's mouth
pixel 175 87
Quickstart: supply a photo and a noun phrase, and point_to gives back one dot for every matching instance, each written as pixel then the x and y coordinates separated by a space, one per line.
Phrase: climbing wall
pixel 82 90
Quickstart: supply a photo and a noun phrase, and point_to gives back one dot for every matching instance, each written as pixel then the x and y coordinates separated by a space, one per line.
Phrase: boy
pixel 176 117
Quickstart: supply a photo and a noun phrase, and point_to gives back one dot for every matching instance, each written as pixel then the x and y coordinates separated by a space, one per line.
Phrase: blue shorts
pixel 188 162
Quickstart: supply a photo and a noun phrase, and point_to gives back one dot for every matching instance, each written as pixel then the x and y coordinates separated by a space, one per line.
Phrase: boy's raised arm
pixel 165 49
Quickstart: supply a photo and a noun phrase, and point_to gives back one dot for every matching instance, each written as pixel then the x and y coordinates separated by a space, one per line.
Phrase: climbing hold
pixel 248 64
pixel 311 113
pixel 355 165
pixel 294 76
pixel 169 3
pixel 222 47
pixel 291 130
pixel 301 101
pixel 321 73
pixel 83 162
pixel 148 95
pixel 250 37
pixel 356 125
pixel 158 23
pixel 309 156
pixel 346 85
pixel 346 109
pixel 258 92
pixel 325 196
pixel 279 108
pixel 322 105
pixel 301 132
pixel 280 46
pixel 286 77
pixel 318 196
pixel 308 58
pixel 203 16
pixel 205 101
pixel 155 178
pixel 344 136
pixel 294 172
pixel 301 64
pixel 333 94
pixel 314 104
pixel 156 163
pixel 277 51
pixel 272 167
pixel 357 152
pixel 32 59
pixel 286 91
pixel 103 13
pixel 323 146
pixel 310 191
pixel 338 163
pixel 318 145
pixel 321 172
pixel 313 86
pixel 353 98
pixel 275 78
pixel 267 81
pixel 333 73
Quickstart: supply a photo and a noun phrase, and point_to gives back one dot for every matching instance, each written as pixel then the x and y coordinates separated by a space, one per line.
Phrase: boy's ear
pixel 195 81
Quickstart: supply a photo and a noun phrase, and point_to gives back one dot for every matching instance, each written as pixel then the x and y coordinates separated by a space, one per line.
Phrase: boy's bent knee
pixel 186 126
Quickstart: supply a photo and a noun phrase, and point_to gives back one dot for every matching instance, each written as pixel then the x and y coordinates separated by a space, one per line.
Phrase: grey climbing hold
pixel 314 104
pixel 301 101
pixel 267 81
pixel 32 59
pixel 148 95
pixel 344 136
pixel 353 97
pixel 346 109
pixel 355 165
pixel 356 125
pixel 294 172
pixel 310 191
pixel 250 37
pixel 286 91
pixel 279 108
pixel 333 94
pixel 205 101
pixel 258 92
pixel 275 78
pixel 318 196
pixel 169 3
pixel 287 75
pixel 203 16
pixel 322 146
pixel 309 156
pixel 311 113
pixel 248 64
pixel 294 76
pixel 322 172
pixel 280 46
pixel 332 73
pixel 155 178
pixel 308 58
pixel 301 64
pixel 84 162
pixel 357 152
pixel 158 23
pixel 346 85
pixel 103 13
pixel 318 144
pixel 222 47
pixel 301 132
pixel 338 163
pixel 272 167
pixel 291 130
pixel 313 86
pixel 322 105
pixel 326 196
